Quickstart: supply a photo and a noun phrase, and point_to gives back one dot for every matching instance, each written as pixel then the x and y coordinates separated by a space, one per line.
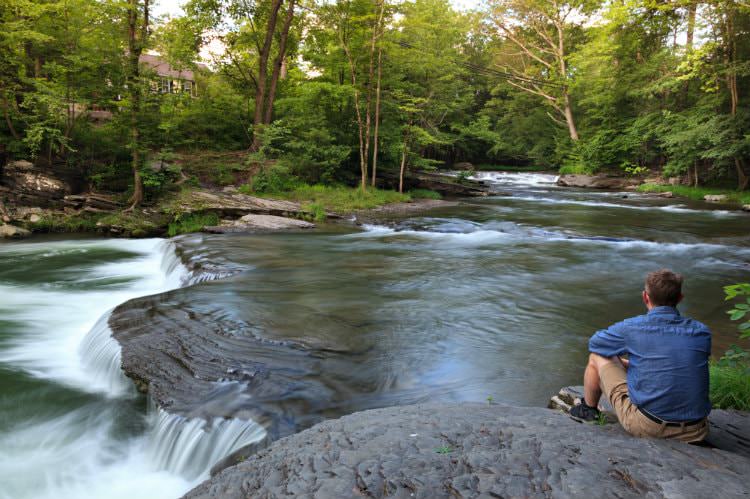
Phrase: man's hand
pixel 625 362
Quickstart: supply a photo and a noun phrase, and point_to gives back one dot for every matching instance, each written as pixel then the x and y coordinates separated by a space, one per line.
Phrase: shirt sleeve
pixel 609 342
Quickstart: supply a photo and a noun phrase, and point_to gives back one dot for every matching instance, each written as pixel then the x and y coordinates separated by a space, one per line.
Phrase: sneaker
pixel 584 413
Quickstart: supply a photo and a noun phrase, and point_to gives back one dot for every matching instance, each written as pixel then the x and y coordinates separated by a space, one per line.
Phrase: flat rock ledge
pixel 258 223
pixel 476 450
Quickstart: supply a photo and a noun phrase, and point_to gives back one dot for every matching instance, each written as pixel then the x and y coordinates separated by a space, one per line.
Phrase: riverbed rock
pixel 476 450
pixel 254 223
pixel 715 198
pixel 746 207
pixel 667 194
pixel 32 185
pixel 600 181
pixel 8 231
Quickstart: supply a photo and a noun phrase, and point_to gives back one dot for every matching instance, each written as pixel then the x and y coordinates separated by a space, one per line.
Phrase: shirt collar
pixel 664 310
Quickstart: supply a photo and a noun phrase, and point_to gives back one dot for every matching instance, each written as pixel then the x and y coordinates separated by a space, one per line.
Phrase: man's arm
pixel 609 342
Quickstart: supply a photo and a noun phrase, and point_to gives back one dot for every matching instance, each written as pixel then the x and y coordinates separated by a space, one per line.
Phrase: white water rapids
pixel 105 445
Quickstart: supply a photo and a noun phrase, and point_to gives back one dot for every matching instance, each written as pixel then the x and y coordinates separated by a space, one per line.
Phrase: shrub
pixel 273 179
pixel 193 222
pixel 730 385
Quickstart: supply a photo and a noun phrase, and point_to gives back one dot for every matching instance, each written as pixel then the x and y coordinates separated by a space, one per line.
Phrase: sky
pixel 172 7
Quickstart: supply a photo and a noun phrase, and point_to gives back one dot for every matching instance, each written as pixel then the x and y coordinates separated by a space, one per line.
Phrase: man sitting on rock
pixel 661 389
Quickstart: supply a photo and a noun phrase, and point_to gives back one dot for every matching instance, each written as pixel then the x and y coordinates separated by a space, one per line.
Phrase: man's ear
pixel 680 298
pixel 646 298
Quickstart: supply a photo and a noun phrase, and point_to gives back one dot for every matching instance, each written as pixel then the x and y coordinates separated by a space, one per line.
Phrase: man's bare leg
pixel 592 390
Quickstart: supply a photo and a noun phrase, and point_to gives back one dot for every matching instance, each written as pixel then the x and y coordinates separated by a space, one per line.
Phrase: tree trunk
pixel 569 118
pixel 278 63
pixel 8 120
pixel 692 8
pixel 360 123
pixel 370 77
pixel 403 167
pixel 377 119
pixel 260 85
pixel 742 178
pixel 136 42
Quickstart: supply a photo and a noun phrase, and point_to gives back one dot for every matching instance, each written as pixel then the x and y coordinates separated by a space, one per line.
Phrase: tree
pixel 138 35
pixel 540 32
pixel 247 29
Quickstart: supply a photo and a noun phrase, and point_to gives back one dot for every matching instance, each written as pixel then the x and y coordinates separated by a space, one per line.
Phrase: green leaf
pixel 742 306
pixel 736 314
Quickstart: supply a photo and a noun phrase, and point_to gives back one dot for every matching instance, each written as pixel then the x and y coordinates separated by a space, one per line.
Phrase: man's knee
pixel 598 361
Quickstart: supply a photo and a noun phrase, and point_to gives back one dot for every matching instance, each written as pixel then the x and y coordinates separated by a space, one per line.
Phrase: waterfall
pixel 190 446
pixel 101 357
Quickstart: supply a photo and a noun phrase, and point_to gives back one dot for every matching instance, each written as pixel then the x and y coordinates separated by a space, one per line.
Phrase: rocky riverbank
pixel 476 450
pixel 34 199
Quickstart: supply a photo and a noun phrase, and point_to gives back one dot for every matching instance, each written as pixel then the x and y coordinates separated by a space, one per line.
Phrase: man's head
pixel 663 288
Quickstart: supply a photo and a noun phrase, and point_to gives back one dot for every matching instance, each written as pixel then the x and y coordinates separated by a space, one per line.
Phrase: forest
pixel 350 91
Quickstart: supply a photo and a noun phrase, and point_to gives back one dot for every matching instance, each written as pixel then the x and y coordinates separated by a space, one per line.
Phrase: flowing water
pixel 494 298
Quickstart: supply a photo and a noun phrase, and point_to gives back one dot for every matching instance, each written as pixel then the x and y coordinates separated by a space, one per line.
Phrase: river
pixel 492 298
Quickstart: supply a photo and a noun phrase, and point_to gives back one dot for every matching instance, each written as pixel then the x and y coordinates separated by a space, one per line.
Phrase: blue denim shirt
pixel 668 373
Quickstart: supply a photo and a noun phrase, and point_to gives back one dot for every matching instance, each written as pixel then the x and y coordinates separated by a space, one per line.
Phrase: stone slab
pixel 476 450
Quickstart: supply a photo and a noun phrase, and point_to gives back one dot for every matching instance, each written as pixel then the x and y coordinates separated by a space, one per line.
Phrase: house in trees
pixel 166 79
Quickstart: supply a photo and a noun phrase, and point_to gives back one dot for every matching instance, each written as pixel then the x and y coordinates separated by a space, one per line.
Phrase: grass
pixel 339 199
pixel 730 386
pixel 697 193
pixel 66 223
pixel 424 194
pixel 193 222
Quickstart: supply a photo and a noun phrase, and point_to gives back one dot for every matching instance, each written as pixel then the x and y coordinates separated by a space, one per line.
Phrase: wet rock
pixel 746 207
pixel 601 181
pixel 253 223
pixel 8 231
pixel 476 450
pixel 667 194
pixel 34 218
pixel 715 198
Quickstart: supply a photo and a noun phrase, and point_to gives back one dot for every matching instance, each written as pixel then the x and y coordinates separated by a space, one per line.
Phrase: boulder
pixel 715 198
pixel 8 231
pixel 746 207
pixel 476 450
pixel 667 194
pixel 30 185
pixel 601 181
pixel 252 223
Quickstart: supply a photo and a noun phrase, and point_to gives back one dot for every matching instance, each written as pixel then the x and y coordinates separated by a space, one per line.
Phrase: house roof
pixel 162 67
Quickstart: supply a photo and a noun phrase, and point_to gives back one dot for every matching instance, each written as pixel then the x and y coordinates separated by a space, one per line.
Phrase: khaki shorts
pixel 615 386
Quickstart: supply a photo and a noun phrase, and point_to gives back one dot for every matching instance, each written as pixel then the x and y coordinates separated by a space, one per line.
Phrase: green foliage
pixel 194 222
pixel 272 179
pixel 730 385
pixel 317 211
pixel 741 293
pixel 424 194
pixel 444 449
pixel 696 193
pixel 341 199
pixel 730 376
